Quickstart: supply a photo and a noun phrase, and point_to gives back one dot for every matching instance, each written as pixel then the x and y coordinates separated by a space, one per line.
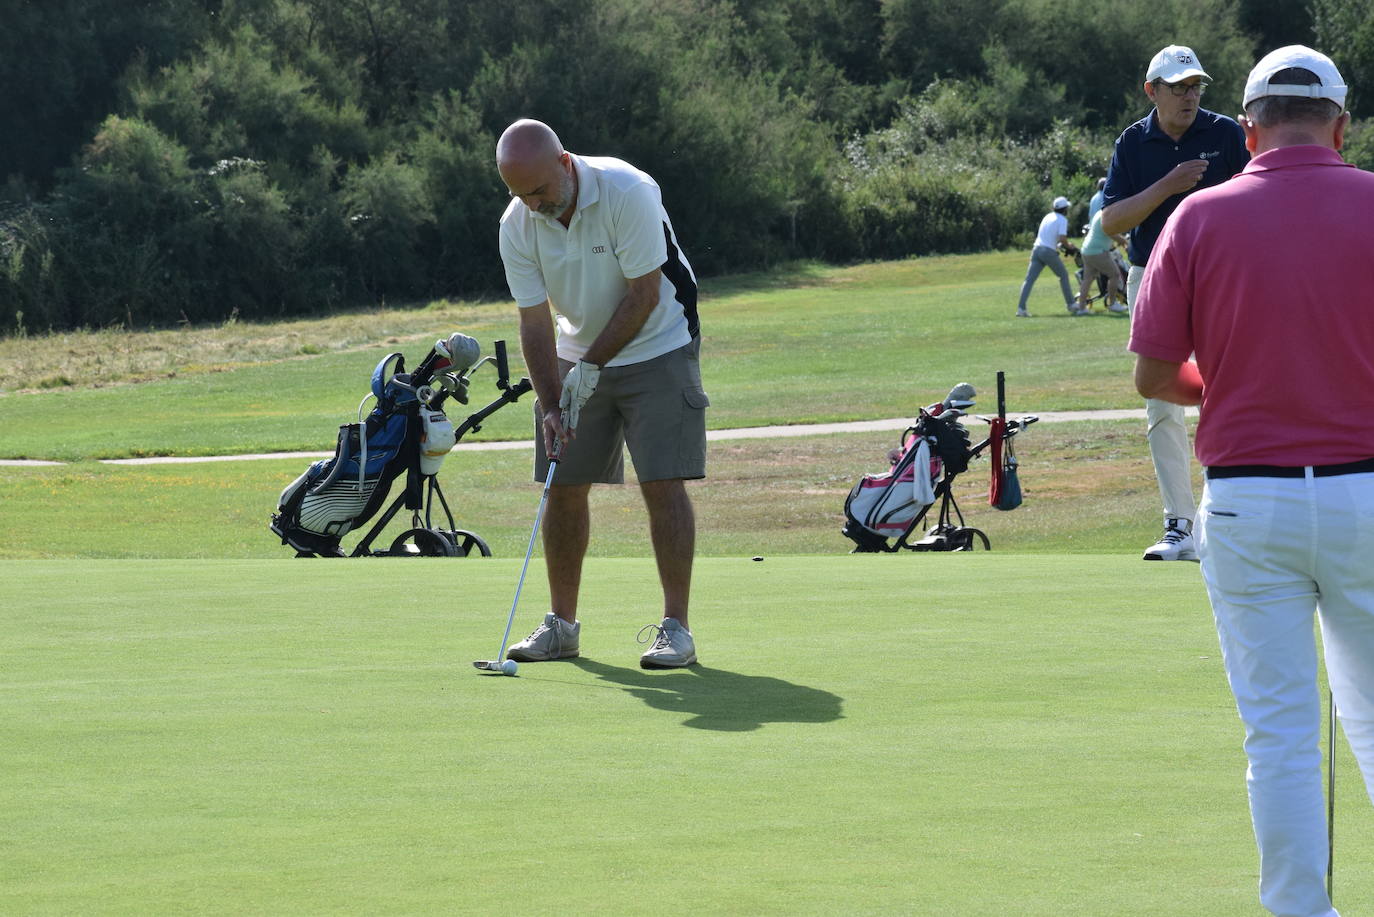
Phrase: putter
pixel 493 666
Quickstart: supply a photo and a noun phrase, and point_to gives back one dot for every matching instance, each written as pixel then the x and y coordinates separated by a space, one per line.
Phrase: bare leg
pixel 1089 275
pixel 672 527
pixel 567 527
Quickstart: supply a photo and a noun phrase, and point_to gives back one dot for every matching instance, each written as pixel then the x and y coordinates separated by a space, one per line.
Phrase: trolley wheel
pixel 963 539
pixel 464 541
pixel 422 543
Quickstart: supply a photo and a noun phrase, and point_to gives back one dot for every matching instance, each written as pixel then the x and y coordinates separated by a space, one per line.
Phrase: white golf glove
pixel 578 386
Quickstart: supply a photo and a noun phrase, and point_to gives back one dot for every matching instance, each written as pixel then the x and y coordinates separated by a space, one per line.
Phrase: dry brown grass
pixel 1088 486
pixel 91 358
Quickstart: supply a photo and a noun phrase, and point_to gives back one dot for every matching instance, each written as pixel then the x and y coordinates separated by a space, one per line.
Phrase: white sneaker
pixel 1177 543
pixel 672 648
pixel 1022 313
pixel 554 639
pixel 1118 307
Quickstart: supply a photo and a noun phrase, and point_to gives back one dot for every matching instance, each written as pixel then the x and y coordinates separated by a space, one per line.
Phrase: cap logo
pixel 1183 58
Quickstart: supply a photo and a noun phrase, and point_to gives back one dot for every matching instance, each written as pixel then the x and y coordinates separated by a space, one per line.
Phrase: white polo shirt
pixel 618 230
pixel 1053 226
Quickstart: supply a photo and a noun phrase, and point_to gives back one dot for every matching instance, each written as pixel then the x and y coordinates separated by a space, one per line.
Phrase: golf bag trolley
pixel 406 434
pixel 883 510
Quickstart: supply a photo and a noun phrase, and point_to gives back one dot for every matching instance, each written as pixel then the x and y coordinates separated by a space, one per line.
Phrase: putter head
pixel 494 667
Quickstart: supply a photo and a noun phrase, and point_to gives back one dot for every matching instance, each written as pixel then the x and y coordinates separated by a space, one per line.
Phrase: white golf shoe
pixel 1177 542
pixel 554 639
pixel 672 647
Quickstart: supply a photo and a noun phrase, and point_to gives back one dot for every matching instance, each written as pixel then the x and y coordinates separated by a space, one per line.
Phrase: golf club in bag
pixel 883 510
pixel 407 432
pixel 500 666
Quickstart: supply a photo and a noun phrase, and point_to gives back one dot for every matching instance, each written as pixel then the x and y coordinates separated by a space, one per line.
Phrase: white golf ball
pixel 509 667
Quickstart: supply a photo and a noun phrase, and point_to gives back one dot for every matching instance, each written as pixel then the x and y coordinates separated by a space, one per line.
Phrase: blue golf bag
pixel 405 436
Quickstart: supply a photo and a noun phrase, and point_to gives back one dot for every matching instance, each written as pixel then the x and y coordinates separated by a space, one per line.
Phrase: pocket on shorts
pixel 696 398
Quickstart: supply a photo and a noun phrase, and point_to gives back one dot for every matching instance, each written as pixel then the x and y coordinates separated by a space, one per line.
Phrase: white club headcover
pixel 463 351
pixel 961 397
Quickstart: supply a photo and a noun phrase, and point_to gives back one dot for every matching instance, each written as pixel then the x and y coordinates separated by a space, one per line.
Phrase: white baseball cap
pixel 1329 84
pixel 1061 203
pixel 1175 63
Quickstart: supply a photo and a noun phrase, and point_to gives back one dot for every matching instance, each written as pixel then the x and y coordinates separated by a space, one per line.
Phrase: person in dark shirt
pixel 1175 149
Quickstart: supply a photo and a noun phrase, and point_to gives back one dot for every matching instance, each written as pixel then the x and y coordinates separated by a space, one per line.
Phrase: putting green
pixel 967 734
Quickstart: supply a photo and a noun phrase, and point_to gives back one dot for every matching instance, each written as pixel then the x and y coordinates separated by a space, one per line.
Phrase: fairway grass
pixel 800 345
pixel 989 734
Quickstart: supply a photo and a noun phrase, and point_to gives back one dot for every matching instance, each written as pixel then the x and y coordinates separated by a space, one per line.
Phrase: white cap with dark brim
pixel 1329 84
pixel 1175 63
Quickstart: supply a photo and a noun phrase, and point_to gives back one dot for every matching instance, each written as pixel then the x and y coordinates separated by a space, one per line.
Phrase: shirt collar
pixel 1201 121
pixel 1302 155
pixel 588 191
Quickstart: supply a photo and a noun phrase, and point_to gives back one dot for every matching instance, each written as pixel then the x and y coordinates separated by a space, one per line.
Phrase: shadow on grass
pixel 720 700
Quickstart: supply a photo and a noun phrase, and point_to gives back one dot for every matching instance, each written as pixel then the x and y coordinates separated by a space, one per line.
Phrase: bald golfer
pixel 610 335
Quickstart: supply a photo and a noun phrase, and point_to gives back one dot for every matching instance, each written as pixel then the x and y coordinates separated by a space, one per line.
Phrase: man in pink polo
pixel 1268 279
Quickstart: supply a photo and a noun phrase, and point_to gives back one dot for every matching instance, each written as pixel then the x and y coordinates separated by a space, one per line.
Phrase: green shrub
pixel 388 215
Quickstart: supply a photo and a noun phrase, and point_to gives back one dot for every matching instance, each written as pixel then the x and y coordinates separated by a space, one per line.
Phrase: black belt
pixel 1363 466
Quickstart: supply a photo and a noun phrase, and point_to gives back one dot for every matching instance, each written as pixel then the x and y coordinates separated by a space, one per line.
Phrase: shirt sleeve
pixel 1161 319
pixel 1120 184
pixel 523 275
pixel 641 245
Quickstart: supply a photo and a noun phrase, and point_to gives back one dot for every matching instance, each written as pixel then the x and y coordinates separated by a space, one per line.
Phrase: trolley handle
pixel 502 365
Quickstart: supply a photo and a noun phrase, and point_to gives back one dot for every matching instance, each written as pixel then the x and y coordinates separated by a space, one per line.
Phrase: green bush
pixel 456 158
pixel 129 229
pixel 945 177
pixel 264 157
pixel 388 215
pixel 1359 145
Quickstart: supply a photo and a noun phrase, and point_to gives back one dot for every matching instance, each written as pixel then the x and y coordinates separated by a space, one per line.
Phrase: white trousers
pixel 1273 551
pixel 1166 430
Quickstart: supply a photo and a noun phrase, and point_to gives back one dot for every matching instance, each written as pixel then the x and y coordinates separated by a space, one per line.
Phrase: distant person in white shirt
pixel 1049 239
pixel 610 335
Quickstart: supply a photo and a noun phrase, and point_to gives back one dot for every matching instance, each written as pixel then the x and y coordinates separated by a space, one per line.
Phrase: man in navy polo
pixel 1175 149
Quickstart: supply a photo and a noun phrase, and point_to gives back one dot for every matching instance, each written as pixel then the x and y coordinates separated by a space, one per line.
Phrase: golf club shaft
pixel 1330 791
pixel 524 567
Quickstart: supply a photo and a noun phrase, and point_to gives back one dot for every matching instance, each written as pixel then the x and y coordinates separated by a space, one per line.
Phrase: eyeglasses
pixel 1182 89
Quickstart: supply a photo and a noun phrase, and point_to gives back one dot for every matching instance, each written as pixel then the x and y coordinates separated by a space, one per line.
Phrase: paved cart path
pixel 860 426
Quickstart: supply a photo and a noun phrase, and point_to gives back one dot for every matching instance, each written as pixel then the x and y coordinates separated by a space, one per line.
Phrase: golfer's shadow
pixel 721 700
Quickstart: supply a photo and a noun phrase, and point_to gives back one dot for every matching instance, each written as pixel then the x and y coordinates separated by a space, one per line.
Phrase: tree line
pixel 175 161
